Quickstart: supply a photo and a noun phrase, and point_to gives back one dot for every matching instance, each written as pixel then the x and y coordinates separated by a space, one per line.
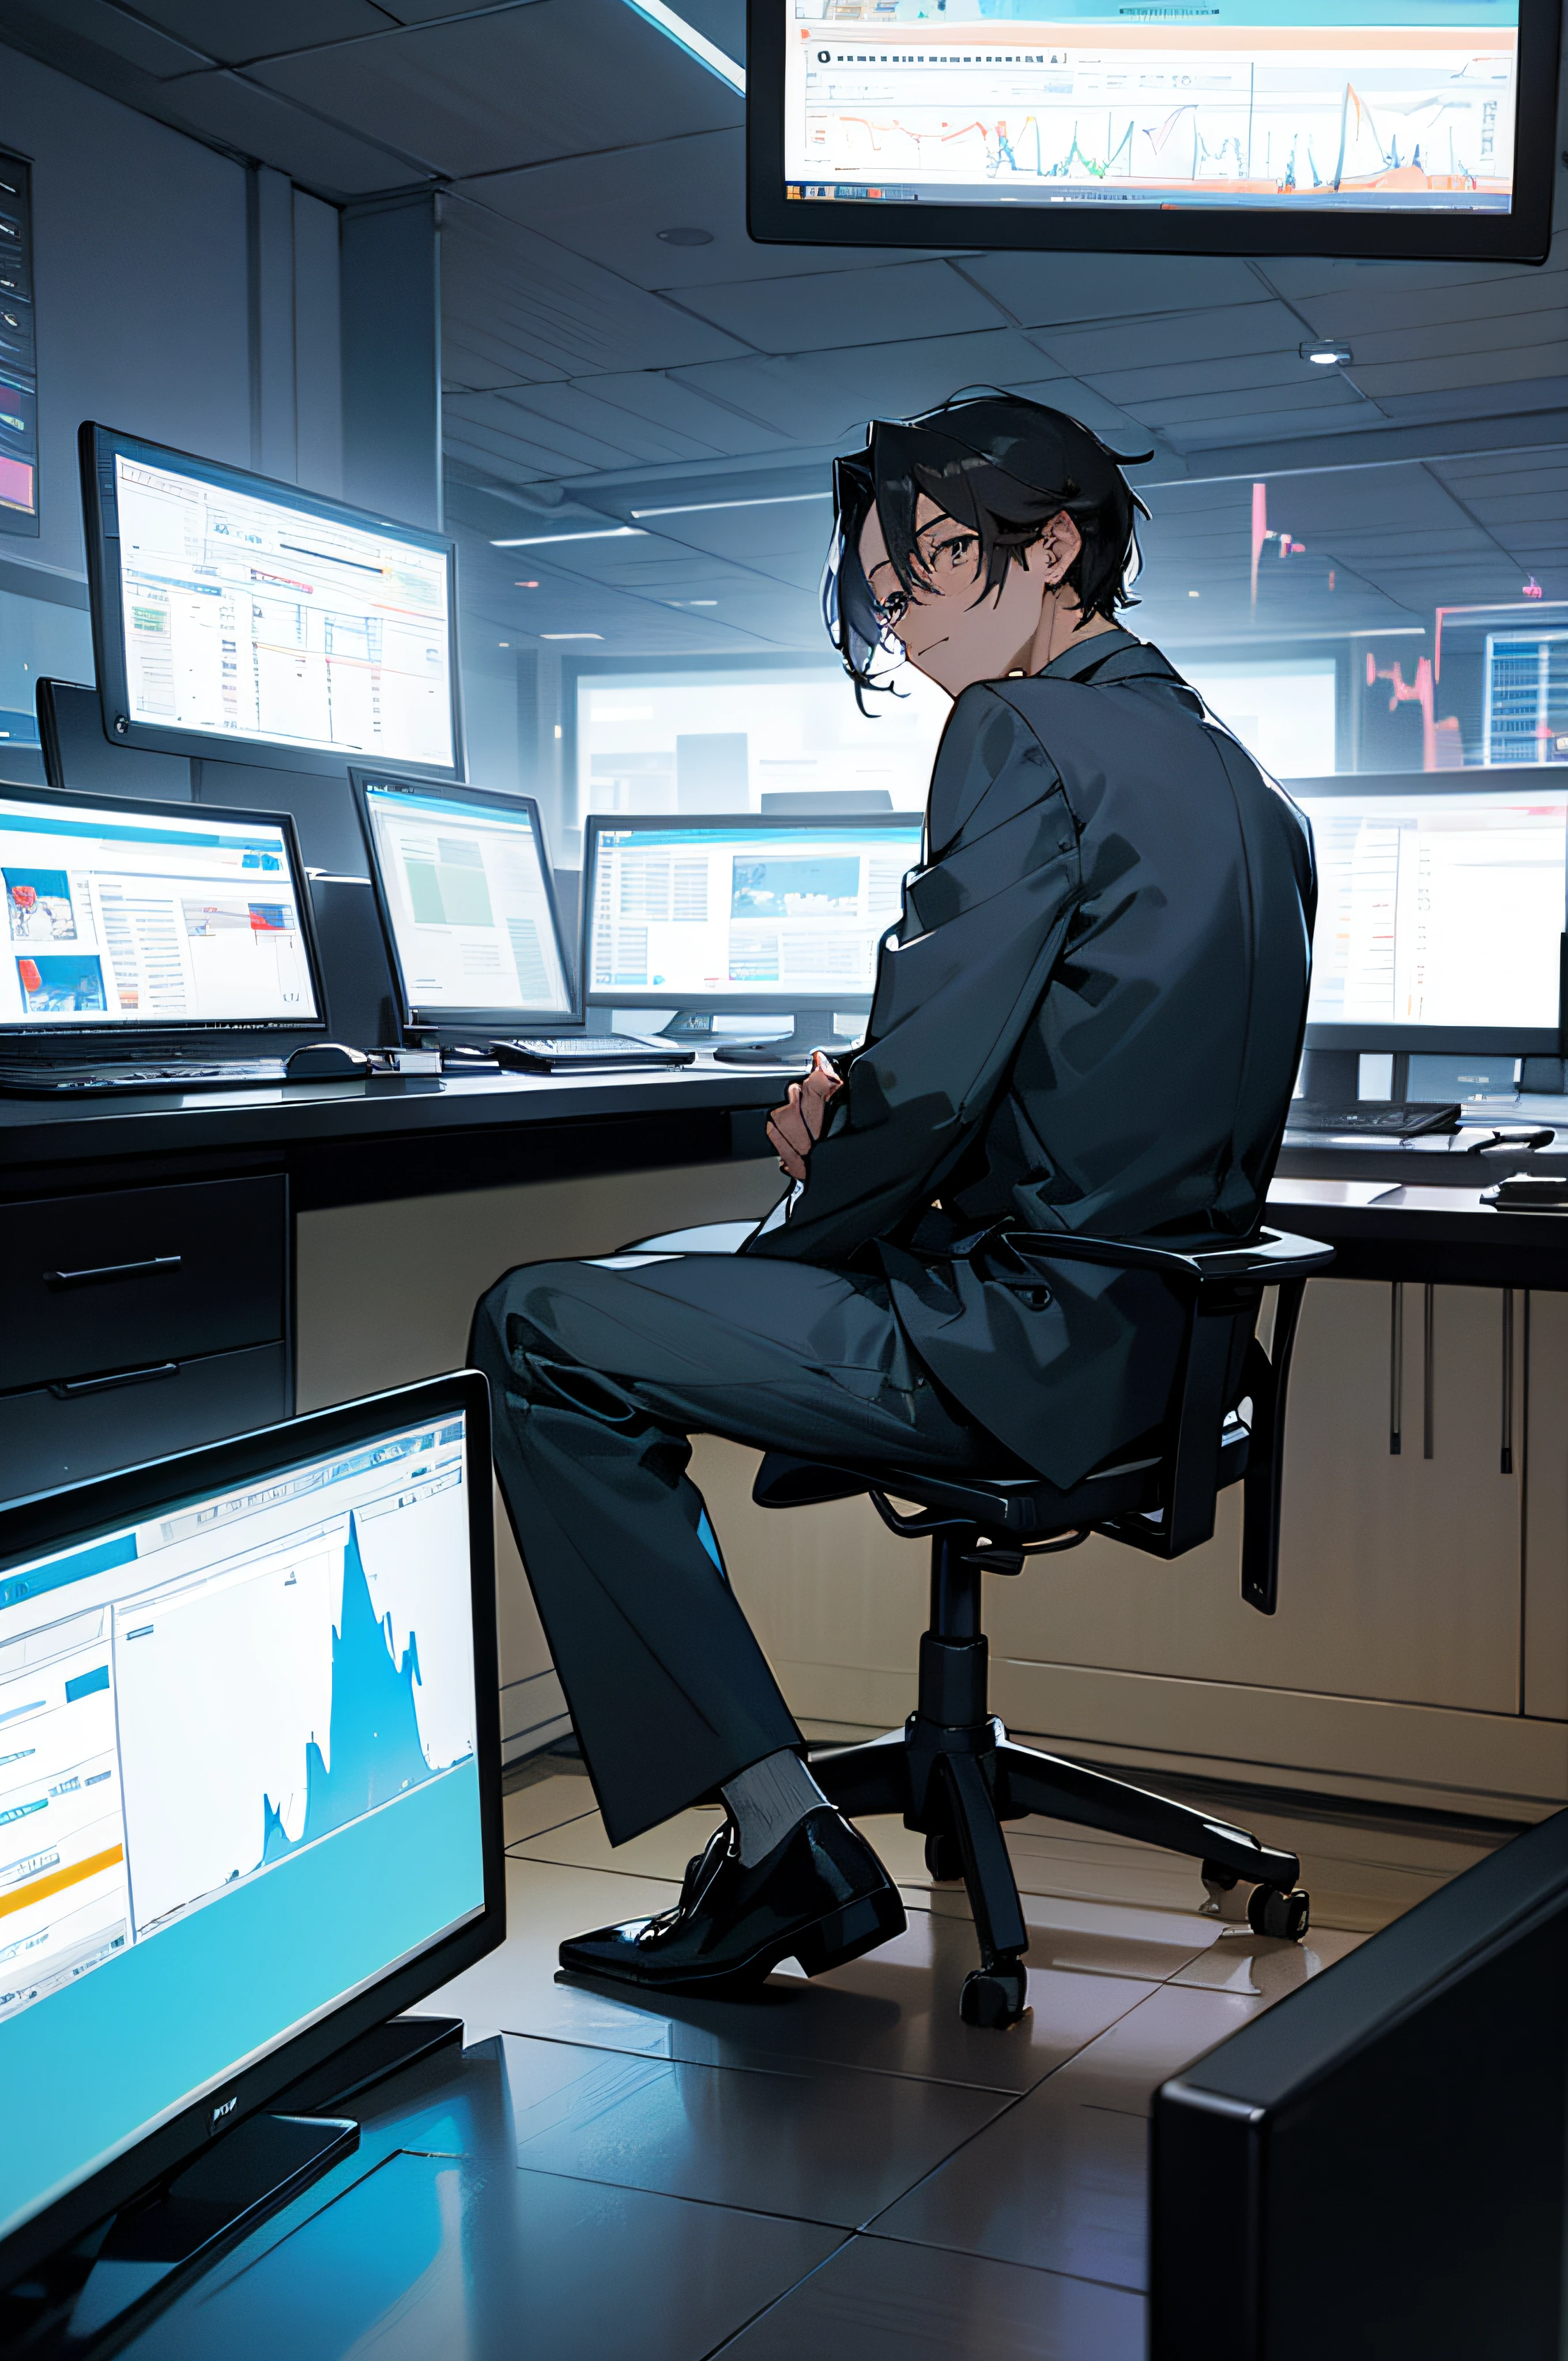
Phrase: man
pixel 1087 1021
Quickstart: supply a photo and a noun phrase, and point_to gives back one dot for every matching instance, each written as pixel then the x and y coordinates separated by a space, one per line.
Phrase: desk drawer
pixel 133 1276
pixel 50 1436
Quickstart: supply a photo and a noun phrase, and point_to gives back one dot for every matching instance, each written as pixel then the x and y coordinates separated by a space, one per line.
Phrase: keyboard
pixel 1378 1118
pixel 565 1053
pixel 33 1078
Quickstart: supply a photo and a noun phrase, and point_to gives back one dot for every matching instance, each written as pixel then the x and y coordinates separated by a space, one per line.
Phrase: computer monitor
pixel 247 620
pixel 464 883
pixel 249 1782
pixel 1440 917
pixel 129 920
pixel 759 915
pixel 1245 126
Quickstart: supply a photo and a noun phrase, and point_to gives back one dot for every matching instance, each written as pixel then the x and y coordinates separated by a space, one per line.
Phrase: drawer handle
pixel 68 1387
pixel 112 1270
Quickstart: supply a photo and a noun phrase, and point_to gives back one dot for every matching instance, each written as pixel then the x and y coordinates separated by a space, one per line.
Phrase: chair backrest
pixel 1222 1365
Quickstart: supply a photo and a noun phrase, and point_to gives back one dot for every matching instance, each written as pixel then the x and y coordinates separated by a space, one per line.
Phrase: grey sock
pixel 765 1802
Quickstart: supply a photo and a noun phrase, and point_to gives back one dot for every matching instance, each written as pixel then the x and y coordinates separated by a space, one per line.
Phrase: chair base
pixel 957 1781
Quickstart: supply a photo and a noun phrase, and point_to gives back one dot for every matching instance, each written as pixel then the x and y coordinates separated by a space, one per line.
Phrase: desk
pixel 1420 1653
pixel 180 1267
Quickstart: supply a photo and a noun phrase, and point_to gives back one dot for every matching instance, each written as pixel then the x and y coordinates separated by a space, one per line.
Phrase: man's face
pixel 949 627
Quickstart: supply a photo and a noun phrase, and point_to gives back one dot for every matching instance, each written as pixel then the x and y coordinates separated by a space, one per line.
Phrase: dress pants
pixel 598 1372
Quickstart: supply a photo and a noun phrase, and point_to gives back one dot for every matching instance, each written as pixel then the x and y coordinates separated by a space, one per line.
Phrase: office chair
pixel 952 1772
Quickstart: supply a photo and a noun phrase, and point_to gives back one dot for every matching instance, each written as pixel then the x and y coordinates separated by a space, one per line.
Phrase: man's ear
pixel 1059 543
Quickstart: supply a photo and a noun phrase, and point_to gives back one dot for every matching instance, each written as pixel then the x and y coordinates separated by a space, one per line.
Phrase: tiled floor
pixel 895 2183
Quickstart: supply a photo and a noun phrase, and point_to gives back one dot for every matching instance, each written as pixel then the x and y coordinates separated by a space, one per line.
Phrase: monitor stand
pixel 793 1048
pixel 144 2254
pixel 142 2257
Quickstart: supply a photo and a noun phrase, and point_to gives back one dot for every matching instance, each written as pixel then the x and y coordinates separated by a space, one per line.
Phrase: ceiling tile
pixel 512 86
pixel 611 207
pixel 1310 274
pixel 1041 289
pixel 1226 383
pixel 509 458
pixel 1201 432
pixel 227 107
pixel 1160 340
pixel 433 12
pixel 827 397
pixel 512 296
pixel 1545 396
pixel 1480 366
pixel 1544 294
pixel 846 310
pixel 505 417
pixel 234 29
pixel 140 45
pixel 580 407
pixel 1521 334
pixel 685 408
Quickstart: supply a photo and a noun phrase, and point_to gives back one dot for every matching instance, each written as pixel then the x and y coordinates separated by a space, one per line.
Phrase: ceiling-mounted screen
pixel 241 618
pixel 1349 127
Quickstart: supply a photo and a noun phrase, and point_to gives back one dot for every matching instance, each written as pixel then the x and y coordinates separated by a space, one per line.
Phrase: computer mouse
pixel 320 1061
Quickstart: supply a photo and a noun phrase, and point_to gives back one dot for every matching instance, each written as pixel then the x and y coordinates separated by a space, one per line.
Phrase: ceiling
pixel 594 367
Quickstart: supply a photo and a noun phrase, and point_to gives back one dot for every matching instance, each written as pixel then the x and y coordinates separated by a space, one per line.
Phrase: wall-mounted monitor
pixel 467 899
pixel 128 920
pixel 1419 127
pixel 18 355
pixel 246 621
pixel 1440 917
pixel 251 1786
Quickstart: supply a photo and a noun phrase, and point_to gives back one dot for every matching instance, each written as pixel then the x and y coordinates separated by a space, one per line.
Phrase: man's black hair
pixel 1004 466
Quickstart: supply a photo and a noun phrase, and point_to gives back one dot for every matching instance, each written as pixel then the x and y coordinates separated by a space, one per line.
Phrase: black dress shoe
pixel 821 1897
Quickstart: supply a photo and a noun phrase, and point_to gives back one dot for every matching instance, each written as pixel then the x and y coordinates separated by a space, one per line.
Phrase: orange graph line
pixel 59 1879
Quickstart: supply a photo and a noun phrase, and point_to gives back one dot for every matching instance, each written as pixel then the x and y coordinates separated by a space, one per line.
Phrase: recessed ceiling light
pixel 503 644
pixel 525 586
pixel 1326 355
pixel 1195 594
pixel 686 236
pixel 599 532
pixel 570 635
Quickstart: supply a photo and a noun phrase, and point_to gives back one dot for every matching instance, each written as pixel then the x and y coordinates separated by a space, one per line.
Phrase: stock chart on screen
pixel 1401 105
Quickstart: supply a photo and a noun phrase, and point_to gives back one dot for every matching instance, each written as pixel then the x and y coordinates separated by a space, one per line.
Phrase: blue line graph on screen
pixel 374 1748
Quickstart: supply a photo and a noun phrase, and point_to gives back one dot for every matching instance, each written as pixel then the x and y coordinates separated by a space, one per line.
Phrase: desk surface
pixel 391 1135
pixel 1394 1210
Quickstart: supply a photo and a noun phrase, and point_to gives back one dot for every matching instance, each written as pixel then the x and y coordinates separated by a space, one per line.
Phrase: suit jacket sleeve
pixel 983 924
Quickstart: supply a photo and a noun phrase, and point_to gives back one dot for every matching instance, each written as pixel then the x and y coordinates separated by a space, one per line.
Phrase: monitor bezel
pixel 1445 1040
pixel 413 1018
pixel 97 446
pixel 45 1521
pixel 1522 235
pixel 127 1034
pixel 750 1000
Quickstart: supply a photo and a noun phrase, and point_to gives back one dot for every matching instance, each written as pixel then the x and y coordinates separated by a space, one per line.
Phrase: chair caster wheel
pixel 944 1858
pixel 993 1998
pixel 1285 1916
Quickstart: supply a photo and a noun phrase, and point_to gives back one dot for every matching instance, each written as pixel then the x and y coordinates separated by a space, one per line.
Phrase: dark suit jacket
pixel 1088 1019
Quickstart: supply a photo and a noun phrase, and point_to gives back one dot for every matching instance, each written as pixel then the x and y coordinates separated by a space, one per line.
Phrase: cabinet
pixel 141 1322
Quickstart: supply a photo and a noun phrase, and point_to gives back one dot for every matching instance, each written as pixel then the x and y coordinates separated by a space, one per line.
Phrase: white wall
pixel 142 289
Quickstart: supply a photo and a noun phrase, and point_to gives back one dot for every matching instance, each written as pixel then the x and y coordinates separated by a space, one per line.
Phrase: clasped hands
pixel 796 1127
